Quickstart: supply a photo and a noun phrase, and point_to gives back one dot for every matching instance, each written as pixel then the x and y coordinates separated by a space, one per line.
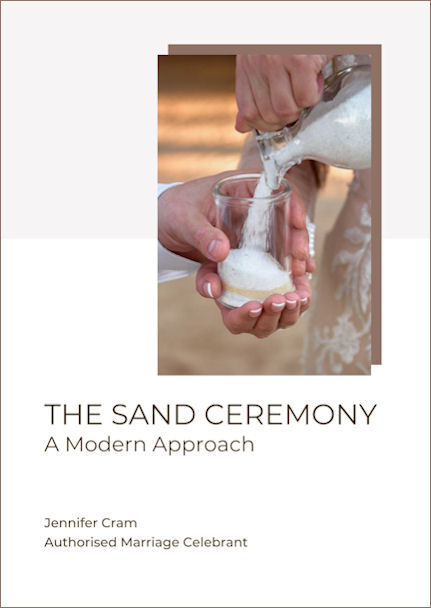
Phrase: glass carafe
pixel 336 131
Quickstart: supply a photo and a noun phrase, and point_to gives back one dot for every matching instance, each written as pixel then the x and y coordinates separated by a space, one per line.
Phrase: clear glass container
pixel 336 131
pixel 258 228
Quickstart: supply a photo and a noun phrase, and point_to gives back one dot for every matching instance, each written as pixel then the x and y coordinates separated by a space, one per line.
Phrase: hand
pixel 260 320
pixel 187 218
pixel 271 90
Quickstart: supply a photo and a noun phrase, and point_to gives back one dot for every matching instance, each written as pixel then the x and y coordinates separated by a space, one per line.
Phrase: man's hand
pixel 271 90
pixel 187 220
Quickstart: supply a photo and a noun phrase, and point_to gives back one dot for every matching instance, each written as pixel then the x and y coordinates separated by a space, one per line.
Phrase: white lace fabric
pixel 338 339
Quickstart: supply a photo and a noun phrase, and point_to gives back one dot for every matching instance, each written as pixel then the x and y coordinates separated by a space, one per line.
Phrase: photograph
pixel 264 214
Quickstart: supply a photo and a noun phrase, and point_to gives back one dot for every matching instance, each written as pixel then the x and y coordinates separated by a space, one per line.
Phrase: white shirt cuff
pixel 162 187
pixel 173 266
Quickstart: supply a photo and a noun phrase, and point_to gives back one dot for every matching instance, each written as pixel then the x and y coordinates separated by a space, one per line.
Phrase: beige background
pixel 196 138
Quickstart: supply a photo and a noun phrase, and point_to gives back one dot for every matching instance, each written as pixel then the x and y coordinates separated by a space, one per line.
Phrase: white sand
pixel 340 137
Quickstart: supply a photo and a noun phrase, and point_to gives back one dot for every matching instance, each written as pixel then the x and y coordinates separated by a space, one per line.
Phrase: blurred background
pixel 196 115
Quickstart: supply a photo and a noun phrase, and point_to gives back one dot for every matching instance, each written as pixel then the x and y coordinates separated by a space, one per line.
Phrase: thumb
pixel 212 242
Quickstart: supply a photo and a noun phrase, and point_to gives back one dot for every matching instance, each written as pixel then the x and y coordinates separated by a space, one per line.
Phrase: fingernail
pixel 277 306
pixel 213 246
pixel 304 300
pixel 255 313
pixel 291 304
pixel 208 289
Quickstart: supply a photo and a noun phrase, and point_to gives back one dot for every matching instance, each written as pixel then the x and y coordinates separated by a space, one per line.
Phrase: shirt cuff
pixel 173 266
pixel 162 187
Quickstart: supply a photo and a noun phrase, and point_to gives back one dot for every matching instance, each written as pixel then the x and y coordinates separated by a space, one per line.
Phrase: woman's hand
pixel 261 320
pixel 271 90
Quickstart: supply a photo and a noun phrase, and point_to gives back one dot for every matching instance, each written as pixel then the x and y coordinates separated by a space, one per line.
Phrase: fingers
pixel 199 233
pixel 268 321
pixel 247 111
pixel 255 109
pixel 272 90
pixel 241 320
pixel 262 320
pixel 310 265
pixel 208 283
pixel 303 291
pixel 291 312
pixel 299 247
pixel 280 89
pixel 297 211
pixel 264 94
pixel 261 72
pixel 297 267
pixel 305 82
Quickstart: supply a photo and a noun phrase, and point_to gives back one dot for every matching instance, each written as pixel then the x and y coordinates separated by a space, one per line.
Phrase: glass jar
pixel 258 228
pixel 336 131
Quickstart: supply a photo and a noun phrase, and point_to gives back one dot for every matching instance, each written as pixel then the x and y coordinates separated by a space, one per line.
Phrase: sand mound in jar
pixel 250 274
